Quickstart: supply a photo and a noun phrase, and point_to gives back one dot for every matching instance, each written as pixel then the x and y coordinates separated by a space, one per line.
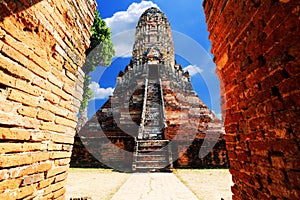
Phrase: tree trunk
pixel 82 120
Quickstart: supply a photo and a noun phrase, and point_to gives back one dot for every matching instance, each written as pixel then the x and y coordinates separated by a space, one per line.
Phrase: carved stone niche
pixel 153 55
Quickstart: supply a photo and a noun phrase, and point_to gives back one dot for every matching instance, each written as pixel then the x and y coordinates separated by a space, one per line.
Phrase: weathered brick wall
pixel 192 128
pixel 42 45
pixel 256 46
pixel 102 152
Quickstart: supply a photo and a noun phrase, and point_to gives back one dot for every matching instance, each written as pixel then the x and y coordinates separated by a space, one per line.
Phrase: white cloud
pixel 122 25
pixel 193 69
pixel 100 93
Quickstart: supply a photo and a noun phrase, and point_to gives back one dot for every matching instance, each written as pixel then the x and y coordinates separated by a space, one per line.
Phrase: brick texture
pixel 42 47
pixel 256 47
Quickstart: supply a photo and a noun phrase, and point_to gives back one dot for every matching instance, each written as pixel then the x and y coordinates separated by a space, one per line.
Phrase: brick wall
pixel 42 45
pixel 256 46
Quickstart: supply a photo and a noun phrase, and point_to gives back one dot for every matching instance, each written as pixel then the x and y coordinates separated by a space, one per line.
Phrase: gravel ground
pixel 102 184
pixel 210 184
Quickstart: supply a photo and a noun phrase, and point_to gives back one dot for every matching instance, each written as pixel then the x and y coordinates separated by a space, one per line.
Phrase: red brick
pixel 28 111
pixel 14 68
pixel 45 115
pixel 69 89
pixel 14 134
pixel 55 147
pixel 24 98
pixel 42 83
pixel 61 154
pixel 62 138
pixel 54 80
pixel 8 195
pixel 66 122
pixel 54 108
pixel 25 191
pixel 61 93
pixel 52 98
pixel 64 161
pixel 52 127
pixel 59 194
pixel 22 159
pixel 23 60
pixel 72 117
pixel 45 183
pixel 7 79
pixel 28 88
pixel 8 107
pixel 4 174
pixel 29 70
pixel 9 184
pixel 54 61
pixel 29 180
pixel 38 136
pixel 57 170
pixel 19 147
pixel 61 177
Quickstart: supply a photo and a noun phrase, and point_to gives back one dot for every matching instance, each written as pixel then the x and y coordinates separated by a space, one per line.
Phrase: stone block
pixel 45 183
pixel 9 184
pixel 14 68
pixel 45 115
pixel 28 111
pixel 52 127
pixel 14 134
pixel 19 96
pixel 29 180
pixel 52 97
pixel 66 122
pixel 26 191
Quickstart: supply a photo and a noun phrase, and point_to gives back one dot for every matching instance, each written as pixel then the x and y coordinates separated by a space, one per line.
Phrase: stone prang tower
pixel 154 120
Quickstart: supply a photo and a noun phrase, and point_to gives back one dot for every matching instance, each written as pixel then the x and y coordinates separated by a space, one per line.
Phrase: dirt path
pixel 101 184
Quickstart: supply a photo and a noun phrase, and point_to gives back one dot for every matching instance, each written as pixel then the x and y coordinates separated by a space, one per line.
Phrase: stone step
pixel 152 142
pixel 151 164
pixel 152 130
pixel 146 157
pixel 151 155
pixel 152 169
pixel 149 149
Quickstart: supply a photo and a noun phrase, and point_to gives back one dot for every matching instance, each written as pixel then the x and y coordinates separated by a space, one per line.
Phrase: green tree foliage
pixel 99 53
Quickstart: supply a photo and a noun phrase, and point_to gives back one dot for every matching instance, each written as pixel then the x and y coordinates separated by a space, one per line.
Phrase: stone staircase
pixel 153 124
pixel 152 152
pixel 151 156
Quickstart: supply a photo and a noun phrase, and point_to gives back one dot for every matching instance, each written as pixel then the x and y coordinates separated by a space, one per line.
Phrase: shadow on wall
pixel 11 7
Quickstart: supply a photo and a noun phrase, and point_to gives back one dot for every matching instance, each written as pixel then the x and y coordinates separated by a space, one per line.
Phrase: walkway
pixel 150 186
pixel 105 184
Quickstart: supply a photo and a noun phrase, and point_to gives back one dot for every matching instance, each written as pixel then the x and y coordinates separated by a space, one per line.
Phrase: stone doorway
pixel 153 72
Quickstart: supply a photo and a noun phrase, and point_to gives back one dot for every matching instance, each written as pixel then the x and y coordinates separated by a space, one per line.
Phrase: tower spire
pixel 153 39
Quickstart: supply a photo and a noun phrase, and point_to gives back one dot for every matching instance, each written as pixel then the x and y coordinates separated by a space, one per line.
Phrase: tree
pixel 99 53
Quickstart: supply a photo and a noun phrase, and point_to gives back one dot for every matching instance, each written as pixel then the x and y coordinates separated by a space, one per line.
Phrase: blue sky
pixel 192 47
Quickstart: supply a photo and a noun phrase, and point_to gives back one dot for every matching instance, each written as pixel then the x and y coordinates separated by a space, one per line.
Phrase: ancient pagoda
pixel 154 119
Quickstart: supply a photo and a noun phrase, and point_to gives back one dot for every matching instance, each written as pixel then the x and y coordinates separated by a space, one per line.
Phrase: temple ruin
pixel 154 117
pixel 256 50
